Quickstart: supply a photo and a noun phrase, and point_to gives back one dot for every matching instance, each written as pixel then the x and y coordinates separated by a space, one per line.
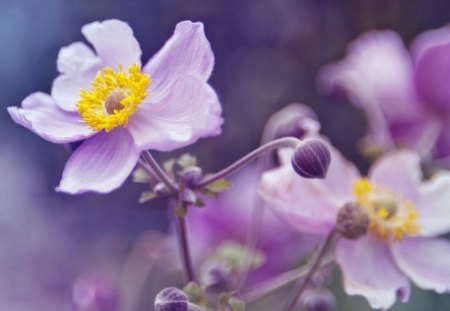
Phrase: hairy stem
pixel 242 162
pixel 303 283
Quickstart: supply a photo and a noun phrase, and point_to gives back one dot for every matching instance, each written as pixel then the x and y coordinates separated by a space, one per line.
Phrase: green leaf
pixel 141 176
pixel 147 196
pixel 196 294
pixel 236 304
pixel 187 160
pixel 168 165
pixel 180 210
pixel 219 185
pixel 199 202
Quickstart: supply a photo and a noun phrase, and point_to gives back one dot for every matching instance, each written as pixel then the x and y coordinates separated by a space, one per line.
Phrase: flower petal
pixel 188 111
pixel 400 171
pixel 101 164
pixel 304 204
pixel 377 74
pixel 432 66
pixel 433 206
pixel 40 114
pixel 425 261
pixel 114 42
pixel 76 57
pixel 66 88
pixel 341 176
pixel 368 269
pixel 187 52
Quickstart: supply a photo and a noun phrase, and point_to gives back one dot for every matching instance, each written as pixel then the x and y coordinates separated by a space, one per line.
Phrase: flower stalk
pixel 279 281
pixel 180 222
pixel 316 263
pixel 250 157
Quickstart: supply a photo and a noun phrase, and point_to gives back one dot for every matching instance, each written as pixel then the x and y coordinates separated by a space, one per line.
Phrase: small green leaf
pixel 180 210
pixel 219 185
pixel 147 196
pixel 168 165
pixel 199 202
pixel 236 304
pixel 208 193
pixel 141 176
pixel 196 294
pixel 223 300
pixel 187 160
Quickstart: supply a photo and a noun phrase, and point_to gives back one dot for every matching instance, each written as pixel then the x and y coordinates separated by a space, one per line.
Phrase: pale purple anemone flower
pixel 173 105
pixel 406 217
pixel 405 98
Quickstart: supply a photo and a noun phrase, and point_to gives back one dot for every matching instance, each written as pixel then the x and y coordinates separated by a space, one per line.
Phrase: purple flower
pixel 406 216
pixel 229 217
pixel 121 108
pixel 382 79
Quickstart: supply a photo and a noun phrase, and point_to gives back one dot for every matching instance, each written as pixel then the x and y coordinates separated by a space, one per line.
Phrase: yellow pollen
pixel 114 97
pixel 391 216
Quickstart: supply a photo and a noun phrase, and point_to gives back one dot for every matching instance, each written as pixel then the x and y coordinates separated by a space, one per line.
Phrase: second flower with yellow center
pixel 114 97
pixel 392 217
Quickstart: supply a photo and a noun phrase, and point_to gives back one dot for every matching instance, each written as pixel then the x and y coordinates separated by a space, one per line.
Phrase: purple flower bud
pixel 311 159
pixel 171 299
pixel 188 196
pixel 318 300
pixel 92 293
pixel 191 176
pixel 216 276
pixel 352 221
pixel 161 190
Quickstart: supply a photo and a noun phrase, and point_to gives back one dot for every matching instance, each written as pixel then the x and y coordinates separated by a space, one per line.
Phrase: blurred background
pixel 268 53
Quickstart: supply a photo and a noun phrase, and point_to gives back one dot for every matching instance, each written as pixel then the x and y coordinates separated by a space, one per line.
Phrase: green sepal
pixel 236 304
pixel 180 210
pixel 141 176
pixel 196 293
pixel 147 196
pixel 187 160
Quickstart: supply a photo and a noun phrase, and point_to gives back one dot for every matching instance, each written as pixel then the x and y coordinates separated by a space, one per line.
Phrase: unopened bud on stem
pixel 311 159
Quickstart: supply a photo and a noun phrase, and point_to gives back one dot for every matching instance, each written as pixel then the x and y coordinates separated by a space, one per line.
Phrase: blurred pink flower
pixel 121 109
pixel 405 216
pixel 405 98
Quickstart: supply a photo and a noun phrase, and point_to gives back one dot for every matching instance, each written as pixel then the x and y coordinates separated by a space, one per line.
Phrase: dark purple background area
pixel 267 54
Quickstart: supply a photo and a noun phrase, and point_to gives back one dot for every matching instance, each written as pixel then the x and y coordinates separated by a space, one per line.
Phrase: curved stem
pixel 159 172
pixel 291 301
pixel 278 143
pixel 279 281
pixel 184 249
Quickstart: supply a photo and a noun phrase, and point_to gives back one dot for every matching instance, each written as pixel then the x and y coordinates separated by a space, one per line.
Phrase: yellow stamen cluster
pixel 114 97
pixel 391 216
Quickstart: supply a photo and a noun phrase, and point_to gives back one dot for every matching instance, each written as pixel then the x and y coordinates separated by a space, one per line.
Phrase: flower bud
pixel 93 293
pixel 318 300
pixel 352 221
pixel 191 176
pixel 216 276
pixel 171 299
pixel 161 190
pixel 188 196
pixel 311 159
